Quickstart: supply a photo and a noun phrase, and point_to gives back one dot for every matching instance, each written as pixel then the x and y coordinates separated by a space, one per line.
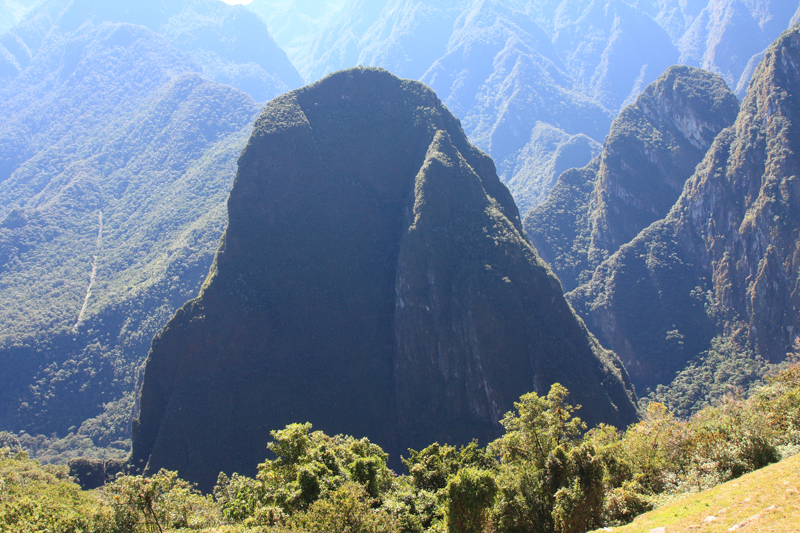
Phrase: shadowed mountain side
pixel 561 228
pixel 650 152
pixel 725 259
pixel 373 280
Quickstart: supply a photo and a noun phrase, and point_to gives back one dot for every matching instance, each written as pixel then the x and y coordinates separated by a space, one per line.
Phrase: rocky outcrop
pixel 726 259
pixel 650 152
pixel 373 280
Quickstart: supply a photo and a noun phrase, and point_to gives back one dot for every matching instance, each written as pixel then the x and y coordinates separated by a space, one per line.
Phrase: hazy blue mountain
pixel 13 11
pixel 613 49
pixel 675 16
pixel 115 161
pixel 728 33
pixel 295 23
pixel 724 261
pixel 373 280
pixel 502 76
pixel 230 43
pixel 403 36
pixel 492 60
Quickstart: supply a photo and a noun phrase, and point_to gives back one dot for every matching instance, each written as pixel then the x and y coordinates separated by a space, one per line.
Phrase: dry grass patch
pixel 767 500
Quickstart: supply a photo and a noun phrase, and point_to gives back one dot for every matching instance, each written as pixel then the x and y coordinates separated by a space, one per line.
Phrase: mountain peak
pixel 372 280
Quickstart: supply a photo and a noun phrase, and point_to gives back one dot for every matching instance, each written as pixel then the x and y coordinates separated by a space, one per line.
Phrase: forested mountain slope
pixel 651 150
pixel 373 280
pixel 116 157
pixel 295 23
pixel 725 259
pixel 230 43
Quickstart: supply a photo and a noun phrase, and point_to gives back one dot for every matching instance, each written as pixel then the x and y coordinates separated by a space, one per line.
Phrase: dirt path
pixel 94 271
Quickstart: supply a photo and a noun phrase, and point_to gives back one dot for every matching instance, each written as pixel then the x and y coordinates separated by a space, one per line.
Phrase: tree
pixel 470 495
pixel 539 425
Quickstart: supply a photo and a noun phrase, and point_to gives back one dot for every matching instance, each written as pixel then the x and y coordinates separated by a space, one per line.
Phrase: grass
pixel 767 500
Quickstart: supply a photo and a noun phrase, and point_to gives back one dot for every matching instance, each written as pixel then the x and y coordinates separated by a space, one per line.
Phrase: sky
pixel 237 1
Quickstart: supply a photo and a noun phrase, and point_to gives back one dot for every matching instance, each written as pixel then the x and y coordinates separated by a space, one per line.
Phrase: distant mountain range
pixel 533 82
pixel 116 156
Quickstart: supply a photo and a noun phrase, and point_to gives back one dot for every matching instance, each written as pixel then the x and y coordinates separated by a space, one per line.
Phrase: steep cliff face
pixel 373 280
pixel 650 152
pixel 726 260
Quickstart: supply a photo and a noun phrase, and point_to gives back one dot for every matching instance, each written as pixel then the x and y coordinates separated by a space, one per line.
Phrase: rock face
pixel 373 280
pixel 650 152
pixel 726 259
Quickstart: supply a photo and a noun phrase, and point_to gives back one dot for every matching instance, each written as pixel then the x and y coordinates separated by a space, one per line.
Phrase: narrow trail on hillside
pixel 94 271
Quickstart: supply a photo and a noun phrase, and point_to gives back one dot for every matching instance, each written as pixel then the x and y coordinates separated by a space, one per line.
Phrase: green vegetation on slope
pixel 543 475
pixel 109 217
pixel 765 500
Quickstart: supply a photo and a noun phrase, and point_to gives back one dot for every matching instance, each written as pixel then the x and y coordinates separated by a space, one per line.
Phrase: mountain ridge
pixel 726 250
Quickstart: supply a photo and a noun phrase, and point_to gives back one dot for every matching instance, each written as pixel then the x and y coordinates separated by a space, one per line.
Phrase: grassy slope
pixel 764 500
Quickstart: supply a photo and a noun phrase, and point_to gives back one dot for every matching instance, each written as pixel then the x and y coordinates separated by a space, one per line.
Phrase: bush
pixel 159 502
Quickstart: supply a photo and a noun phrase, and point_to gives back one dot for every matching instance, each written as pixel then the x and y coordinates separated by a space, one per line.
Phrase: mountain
pixel 294 23
pixel 229 43
pixel 116 157
pixel 507 67
pixel 549 153
pixel 612 48
pixel 503 78
pixel 724 261
pixel 13 11
pixel 373 280
pixel 650 152
pixel 403 36
pixel 726 34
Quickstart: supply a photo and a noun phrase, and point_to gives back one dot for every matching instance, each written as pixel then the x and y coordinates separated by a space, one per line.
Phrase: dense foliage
pixel 545 474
